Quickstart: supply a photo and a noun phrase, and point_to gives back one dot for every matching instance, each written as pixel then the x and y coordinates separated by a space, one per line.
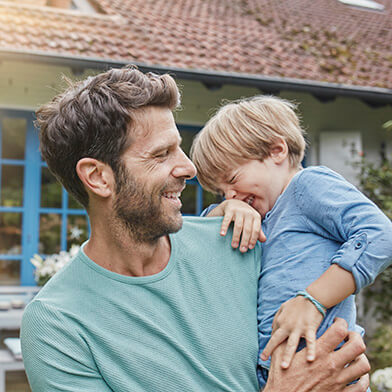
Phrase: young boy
pixel 324 239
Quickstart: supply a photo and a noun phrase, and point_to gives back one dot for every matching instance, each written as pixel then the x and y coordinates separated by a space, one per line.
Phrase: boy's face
pixel 257 183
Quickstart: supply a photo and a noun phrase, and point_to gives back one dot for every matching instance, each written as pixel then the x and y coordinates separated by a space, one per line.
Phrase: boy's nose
pixel 230 194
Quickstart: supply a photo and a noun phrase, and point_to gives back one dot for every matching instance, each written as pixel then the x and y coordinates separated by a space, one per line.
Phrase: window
pixel 194 198
pixel 14 137
pixel 36 214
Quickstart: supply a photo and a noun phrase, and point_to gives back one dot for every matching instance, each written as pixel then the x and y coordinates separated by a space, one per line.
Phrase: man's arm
pixel 55 355
pixel 329 372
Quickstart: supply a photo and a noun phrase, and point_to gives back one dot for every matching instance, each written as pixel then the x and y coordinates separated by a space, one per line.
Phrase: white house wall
pixel 28 85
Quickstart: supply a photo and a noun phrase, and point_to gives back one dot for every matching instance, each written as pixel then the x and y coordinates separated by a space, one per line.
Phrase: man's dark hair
pixel 93 118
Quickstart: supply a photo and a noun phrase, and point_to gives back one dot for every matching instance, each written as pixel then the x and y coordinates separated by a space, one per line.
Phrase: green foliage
pixel 51 195
pixel 380 347
pixel 376 183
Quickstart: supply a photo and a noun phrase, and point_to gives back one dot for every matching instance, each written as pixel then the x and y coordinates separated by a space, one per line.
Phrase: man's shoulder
pixel 205 224
pixel 60 291
pixel 196 230
pixel 203 235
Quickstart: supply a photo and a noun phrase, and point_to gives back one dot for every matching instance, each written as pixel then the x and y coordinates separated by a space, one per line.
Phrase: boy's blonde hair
pixel 242 130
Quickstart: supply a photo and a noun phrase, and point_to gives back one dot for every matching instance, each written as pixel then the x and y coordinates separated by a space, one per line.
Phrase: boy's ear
pixel 96 176
pixel 279 151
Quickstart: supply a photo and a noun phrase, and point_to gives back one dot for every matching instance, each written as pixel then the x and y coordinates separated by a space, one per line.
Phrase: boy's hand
pixel 297 318
pixel 247 223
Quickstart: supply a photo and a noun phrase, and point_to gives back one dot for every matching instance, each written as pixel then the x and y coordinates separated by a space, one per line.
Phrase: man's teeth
pixel 249 200
pixel 172 195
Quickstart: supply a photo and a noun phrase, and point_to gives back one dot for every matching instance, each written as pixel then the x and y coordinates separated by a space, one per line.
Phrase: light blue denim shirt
pixel 320 219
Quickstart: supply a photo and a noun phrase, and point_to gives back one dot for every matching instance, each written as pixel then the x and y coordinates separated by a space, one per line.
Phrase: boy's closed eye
pixel 233 179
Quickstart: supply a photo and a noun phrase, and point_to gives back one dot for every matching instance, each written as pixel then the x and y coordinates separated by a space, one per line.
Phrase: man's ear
pixel 96 176
pixel 279 151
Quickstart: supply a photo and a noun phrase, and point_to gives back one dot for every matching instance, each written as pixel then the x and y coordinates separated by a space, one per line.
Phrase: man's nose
pixel 185 168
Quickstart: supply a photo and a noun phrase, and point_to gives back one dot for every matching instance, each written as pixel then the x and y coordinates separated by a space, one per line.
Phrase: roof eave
pixel 322 90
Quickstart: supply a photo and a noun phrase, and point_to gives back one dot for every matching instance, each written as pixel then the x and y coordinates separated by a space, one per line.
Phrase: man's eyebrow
pixel 166 146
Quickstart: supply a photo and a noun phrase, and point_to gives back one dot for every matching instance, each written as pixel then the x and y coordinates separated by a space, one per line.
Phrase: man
pixel 141 309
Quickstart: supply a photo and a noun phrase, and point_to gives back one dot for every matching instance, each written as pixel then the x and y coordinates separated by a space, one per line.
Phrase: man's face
pixel 152 177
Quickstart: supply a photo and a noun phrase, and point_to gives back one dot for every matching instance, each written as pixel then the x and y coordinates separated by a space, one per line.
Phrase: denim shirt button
pixel 358 245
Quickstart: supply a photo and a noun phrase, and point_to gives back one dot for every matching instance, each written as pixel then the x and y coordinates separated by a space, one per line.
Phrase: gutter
pixel 324 91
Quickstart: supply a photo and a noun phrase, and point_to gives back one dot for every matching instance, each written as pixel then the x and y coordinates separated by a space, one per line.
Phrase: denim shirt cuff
pixel 348 255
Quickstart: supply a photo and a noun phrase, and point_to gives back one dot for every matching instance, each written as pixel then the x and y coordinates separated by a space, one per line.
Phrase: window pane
pixel 77 230
pixel 73 204
pixel 188 198
pixel 9 272
pixel 14 138
pixel 210 198
pixel 51 190
pixel 12 186
pixel 49 234
pixel 10 233
pixel 187 138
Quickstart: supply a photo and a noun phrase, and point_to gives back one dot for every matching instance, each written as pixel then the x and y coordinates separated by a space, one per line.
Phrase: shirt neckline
pixel 269 213
pixel 132 279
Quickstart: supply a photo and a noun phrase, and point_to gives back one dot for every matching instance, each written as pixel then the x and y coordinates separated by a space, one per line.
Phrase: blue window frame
pixel 48 219
pixel 29 163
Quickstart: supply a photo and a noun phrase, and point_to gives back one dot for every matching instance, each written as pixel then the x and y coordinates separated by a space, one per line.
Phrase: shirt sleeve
pixel 207 210
pixel 55 355
pixel 337 209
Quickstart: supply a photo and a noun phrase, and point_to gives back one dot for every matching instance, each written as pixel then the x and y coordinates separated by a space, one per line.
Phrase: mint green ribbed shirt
pixel 191 327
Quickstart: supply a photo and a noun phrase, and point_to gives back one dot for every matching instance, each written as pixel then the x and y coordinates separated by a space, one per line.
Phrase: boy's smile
pixel 258 183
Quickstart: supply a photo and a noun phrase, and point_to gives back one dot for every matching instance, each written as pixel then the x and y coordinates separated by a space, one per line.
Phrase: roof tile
pixel 320 40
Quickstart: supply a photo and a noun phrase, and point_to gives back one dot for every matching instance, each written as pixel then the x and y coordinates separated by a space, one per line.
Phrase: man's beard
pixel 141 212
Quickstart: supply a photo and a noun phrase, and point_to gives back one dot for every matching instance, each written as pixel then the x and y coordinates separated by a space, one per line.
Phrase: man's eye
pixel 163 154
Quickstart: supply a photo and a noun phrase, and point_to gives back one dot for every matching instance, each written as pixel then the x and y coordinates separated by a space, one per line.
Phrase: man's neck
pixel 119 252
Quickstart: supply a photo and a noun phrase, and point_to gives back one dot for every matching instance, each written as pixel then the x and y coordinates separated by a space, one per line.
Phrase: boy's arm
pixel 208 210
pixel 333 286
pixel 247 222
pixel 333 207
pixel 299 317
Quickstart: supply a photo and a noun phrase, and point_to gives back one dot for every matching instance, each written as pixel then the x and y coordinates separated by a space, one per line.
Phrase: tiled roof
pixel 321 40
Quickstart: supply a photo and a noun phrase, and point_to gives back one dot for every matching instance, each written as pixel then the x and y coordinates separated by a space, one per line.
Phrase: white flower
pixel 76 232
pixel 382 378
pixel 74 250
pixel 37 261
pixel 46 268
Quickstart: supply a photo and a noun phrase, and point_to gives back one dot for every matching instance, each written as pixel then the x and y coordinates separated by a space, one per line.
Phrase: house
pixel 333 57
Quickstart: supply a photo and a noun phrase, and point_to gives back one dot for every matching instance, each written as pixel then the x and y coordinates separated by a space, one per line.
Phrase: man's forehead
pixel 154 127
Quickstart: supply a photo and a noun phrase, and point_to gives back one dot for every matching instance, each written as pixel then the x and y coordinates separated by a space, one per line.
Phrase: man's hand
pixel 247 223
pixel 330 372
pixel 297 318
